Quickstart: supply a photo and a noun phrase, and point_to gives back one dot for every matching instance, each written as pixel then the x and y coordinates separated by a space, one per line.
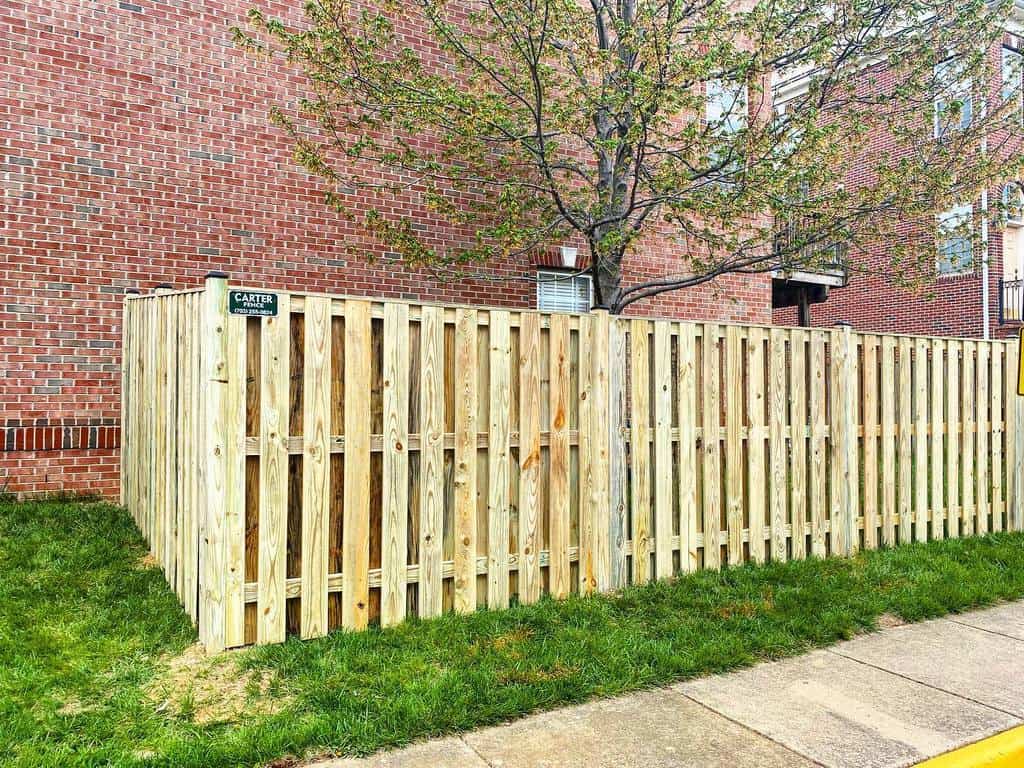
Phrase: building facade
pixel 976 286
pixel 137 152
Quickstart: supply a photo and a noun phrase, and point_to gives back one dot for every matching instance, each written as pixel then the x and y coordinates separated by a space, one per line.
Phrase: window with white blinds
pixel 563 292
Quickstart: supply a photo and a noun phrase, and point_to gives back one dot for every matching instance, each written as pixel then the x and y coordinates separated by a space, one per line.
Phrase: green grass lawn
pixel 98 664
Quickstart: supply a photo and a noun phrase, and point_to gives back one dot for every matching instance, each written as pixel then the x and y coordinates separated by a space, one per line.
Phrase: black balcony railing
pixel 1011 301
pixel 813 257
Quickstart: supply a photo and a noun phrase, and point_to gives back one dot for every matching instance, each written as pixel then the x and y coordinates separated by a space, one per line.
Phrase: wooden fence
pixel 351 461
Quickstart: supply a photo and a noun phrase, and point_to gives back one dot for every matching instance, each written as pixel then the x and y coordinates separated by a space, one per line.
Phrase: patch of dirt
pixel 212 689
pixel 74 706
pixel 146 562
pixel 890 620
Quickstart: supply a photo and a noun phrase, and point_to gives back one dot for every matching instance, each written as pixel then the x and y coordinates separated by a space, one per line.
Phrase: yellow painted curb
pixel 1004 750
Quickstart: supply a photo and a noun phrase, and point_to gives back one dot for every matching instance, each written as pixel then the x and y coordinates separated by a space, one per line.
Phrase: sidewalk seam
pixel 953 620
pixel 474 750
pixel 744 726
pixel 1014 715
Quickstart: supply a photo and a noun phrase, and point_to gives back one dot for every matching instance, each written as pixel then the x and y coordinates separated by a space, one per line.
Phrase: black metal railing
pixel 828 257
pixel 1011 301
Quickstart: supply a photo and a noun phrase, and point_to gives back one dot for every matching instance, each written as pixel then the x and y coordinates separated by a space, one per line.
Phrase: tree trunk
pixel 606 272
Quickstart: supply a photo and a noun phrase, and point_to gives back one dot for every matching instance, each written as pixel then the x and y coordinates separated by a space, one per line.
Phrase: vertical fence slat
pixel 355 547
pixel 529 458
pixel 818 496
pixel 466 430
pixel 1010 437
pixel 213 493
pixel 843 456
pixel 712 448
pixel 159 470
pixel 983 427
pixel 662 449
pixel 687 407
pixel 599 464
pixel 996 436
pixel 952 479
pixel 234 504
pixel 395 465
pixel 273 514
pixel 559 492
pixel 920 379
pixel 905 520
pixel 755 443
pixel 734 444
pixel 498 461
pixel 640 449
pixel 870 400
pixel 235 580
pixel 938 472
pixel 778 457
pixel 316 487
pixel 968 427
pixel 618 472
pixel 798 441
pixel 127 374
pixel 431 460
pixel 888 435
pixel 586 407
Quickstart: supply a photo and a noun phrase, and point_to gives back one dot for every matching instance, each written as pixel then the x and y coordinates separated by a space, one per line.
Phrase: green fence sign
pixel 252 303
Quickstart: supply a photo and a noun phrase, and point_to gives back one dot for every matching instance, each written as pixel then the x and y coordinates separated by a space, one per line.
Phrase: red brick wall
pixel 136 151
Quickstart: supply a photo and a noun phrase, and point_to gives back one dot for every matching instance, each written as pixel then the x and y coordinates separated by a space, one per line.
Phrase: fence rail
pixel 352 461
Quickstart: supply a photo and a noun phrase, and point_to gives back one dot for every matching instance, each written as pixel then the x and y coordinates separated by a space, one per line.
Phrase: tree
pixel 522 122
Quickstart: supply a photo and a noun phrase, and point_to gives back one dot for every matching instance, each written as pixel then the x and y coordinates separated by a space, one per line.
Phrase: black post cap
pixel 168 286
pixel 133 291
pixel 217 274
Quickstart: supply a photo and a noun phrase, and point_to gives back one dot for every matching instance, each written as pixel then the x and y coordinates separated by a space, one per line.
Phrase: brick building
pixel 977 286
pixel 137 151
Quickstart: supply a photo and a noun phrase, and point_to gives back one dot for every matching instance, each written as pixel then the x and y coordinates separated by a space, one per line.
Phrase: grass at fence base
pixel 89 636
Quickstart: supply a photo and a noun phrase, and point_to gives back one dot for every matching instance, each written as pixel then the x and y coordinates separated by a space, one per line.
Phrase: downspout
pixel 984 261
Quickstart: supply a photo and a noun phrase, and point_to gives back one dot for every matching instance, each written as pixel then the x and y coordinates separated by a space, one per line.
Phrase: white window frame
pixel 1012 64
pixel 1013 209
pixel 950 91
pixel 545 277
pixel 949 230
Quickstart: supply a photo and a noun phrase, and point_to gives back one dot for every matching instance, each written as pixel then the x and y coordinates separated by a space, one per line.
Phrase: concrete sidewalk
pixel 889 699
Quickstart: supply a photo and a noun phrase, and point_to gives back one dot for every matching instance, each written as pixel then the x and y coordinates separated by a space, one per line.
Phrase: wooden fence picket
pixel 711 446
pixel 395 465
pixel 663 508
pixel 275 338
pixel 733 445
pixel 686 387
pixel 640 450
pixel 798 444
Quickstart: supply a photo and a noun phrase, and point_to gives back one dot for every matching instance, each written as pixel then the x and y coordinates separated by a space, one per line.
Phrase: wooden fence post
pixel 845 472
pixel 617 452
pixel 213 464
pixel 600 487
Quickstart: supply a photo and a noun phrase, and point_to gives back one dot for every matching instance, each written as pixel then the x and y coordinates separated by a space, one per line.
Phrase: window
pixel 1013 203
pixel 563 291
pixel 953 107
pixel 955 247
pixel 726 107
pixel 1012 85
